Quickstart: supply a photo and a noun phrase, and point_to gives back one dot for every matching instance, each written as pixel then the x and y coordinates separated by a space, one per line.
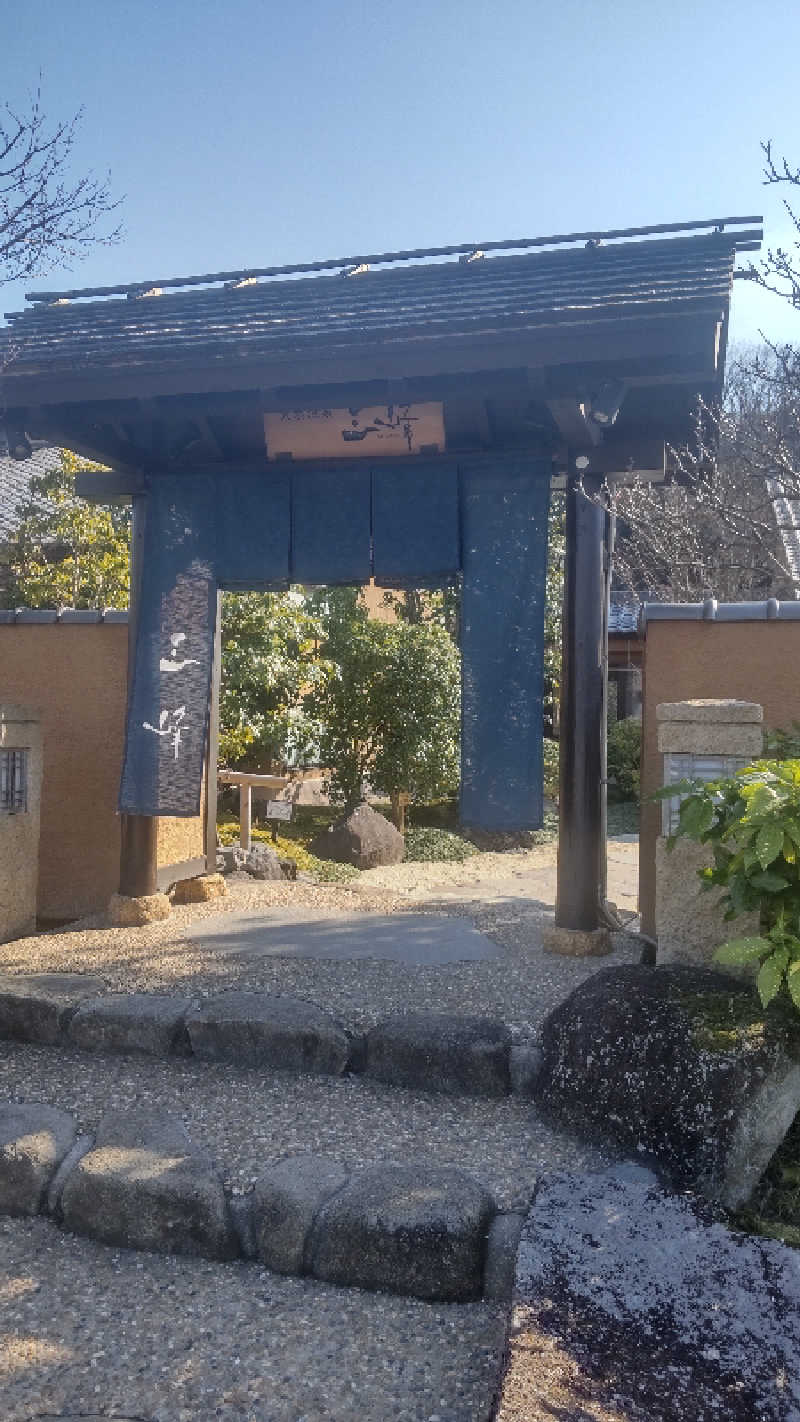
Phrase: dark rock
pixel 439 1052
pixel 286 1201
pixel 525 1065
pixel 256 1029
pixel 138 1022
pixel 144 1186
pixel 502 1243
pixel 648 1307
pixel 231 859
pixel 37 1007
pixel 623 1058
pixel 406 1230
pixel 34 1140
pixel 262 862
pixel 365 839
pixel 288 869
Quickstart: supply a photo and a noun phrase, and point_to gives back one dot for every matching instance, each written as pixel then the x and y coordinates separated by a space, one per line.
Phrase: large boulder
pixel 34 1140
pixel 262 1030
pixel 365 839
pixel 37 1007
pixel 633 1303
pixel 261 862
pixel 418 1230
pixel 676 1064
pixel 437 1051
pixel 145 1186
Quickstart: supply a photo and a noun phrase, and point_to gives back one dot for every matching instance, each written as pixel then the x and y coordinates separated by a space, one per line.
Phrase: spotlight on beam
pixel 607 403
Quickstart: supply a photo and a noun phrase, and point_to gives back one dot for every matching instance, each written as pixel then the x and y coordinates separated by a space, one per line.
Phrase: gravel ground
pixel 247 1120
pixel 85 1329
pixel 504 895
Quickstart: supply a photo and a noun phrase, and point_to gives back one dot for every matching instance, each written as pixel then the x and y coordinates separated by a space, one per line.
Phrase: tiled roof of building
pixel 15 477
pixel 427 302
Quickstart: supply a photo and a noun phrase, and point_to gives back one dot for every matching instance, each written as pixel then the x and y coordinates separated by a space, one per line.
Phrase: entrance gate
pixel 566 359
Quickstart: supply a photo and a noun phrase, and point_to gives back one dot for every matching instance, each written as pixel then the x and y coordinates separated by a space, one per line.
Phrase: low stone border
pixel 421 1051
pixel 431 1232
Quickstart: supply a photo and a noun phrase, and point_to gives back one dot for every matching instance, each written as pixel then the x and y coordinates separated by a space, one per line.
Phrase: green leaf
pixel 760 799
pixel 769 882
pixel 769 843
pixel 793 981
pixel 696 816
pixel 680 787
pixel 770 976
pixel 742 950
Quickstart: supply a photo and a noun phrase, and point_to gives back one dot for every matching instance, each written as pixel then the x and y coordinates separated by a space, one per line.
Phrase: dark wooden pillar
pixel 581 843
pixel 212 747
pixel 138 860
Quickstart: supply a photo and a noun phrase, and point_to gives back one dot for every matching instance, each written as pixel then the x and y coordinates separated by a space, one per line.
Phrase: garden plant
pixel 751 820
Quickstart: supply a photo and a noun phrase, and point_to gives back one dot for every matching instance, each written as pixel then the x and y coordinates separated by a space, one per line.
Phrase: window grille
pixel 684 766
pixel 13 781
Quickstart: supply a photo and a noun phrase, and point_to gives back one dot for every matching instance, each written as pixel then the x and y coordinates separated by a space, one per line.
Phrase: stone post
pixel 20 798
pixel 701 740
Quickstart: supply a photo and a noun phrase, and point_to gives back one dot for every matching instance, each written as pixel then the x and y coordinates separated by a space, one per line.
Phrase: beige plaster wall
pixel 75 675
pixel 750 661
pixel 19 832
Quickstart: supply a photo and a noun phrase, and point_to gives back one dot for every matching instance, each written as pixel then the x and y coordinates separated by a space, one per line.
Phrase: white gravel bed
pixel 246 1120
pixel 86 1329
pixel 521 988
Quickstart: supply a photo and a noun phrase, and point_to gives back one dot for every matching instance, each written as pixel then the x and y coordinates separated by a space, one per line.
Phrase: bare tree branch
pixel 47 217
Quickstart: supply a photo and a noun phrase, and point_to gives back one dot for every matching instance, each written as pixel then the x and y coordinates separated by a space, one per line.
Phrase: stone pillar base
pixel 577 942
pixel 199 890
pixel 124 912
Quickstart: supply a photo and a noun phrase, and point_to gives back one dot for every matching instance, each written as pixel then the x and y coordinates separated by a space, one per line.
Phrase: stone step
pixel 229 1161
pixel 428 1231
pixel 441 1052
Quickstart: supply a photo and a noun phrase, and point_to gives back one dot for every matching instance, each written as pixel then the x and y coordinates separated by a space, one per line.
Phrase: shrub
pixel 550 761
pixel 752 822
pixel 624 756
pixel 425 843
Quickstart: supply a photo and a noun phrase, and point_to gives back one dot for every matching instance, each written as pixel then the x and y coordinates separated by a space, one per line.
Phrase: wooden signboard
pixel 370 431
pixel 279 809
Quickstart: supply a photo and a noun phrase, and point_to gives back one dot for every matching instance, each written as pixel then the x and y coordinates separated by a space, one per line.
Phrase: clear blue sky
pixel 250 132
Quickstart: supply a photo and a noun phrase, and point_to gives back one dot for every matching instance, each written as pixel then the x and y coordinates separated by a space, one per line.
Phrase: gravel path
pixel 246 1120
pixel 85 1329
pixel 507 896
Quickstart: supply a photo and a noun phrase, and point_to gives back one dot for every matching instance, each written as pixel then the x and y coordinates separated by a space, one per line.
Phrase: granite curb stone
pixel 418 1230
pixel 439 1052
pixel 145 1186
pixel 428 1051
pixel 286 1201
pixel 34 1140
pixel 502 1244
pixel 149 1023
pixel 265 1030
pixel 421 1230
pixel 37 1007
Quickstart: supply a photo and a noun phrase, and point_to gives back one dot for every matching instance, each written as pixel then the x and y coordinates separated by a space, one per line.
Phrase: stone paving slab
pixel 636 1305
pixel 418 939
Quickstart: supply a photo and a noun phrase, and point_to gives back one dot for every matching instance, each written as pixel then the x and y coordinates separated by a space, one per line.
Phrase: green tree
pixel 66 552
pixel 388 709
pixel 269 659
